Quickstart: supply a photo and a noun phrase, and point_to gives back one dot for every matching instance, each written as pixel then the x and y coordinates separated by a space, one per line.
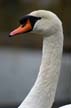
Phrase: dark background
pixel 20 56
pixel 12 10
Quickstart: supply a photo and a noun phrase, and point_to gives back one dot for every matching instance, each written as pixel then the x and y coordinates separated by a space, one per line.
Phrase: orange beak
pixel 22 29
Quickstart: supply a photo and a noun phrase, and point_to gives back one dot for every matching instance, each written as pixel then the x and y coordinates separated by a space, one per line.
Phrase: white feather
pixel 43 91
pixel 66 106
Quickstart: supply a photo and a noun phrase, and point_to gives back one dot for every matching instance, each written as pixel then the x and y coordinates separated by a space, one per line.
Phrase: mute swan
pixel 66 106
pixel 49 25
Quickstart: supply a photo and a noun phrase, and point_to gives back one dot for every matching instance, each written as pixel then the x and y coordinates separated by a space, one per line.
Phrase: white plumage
pixel 66 106
pixel 43 91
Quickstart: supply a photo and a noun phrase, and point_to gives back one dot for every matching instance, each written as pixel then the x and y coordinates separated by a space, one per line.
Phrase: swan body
pixel 66 106
pixel 49 26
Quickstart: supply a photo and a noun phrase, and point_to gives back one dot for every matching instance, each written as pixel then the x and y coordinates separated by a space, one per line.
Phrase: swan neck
pixel 43 92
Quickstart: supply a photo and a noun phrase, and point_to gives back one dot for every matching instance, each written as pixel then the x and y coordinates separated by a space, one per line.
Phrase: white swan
pixel 66 106
pixel 49 26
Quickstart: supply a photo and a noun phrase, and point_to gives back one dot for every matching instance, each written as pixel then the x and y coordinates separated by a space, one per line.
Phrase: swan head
pixel 40 21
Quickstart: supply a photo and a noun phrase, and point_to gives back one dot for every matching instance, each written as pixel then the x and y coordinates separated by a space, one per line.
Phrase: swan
pixel 49 26
pixel 66 106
